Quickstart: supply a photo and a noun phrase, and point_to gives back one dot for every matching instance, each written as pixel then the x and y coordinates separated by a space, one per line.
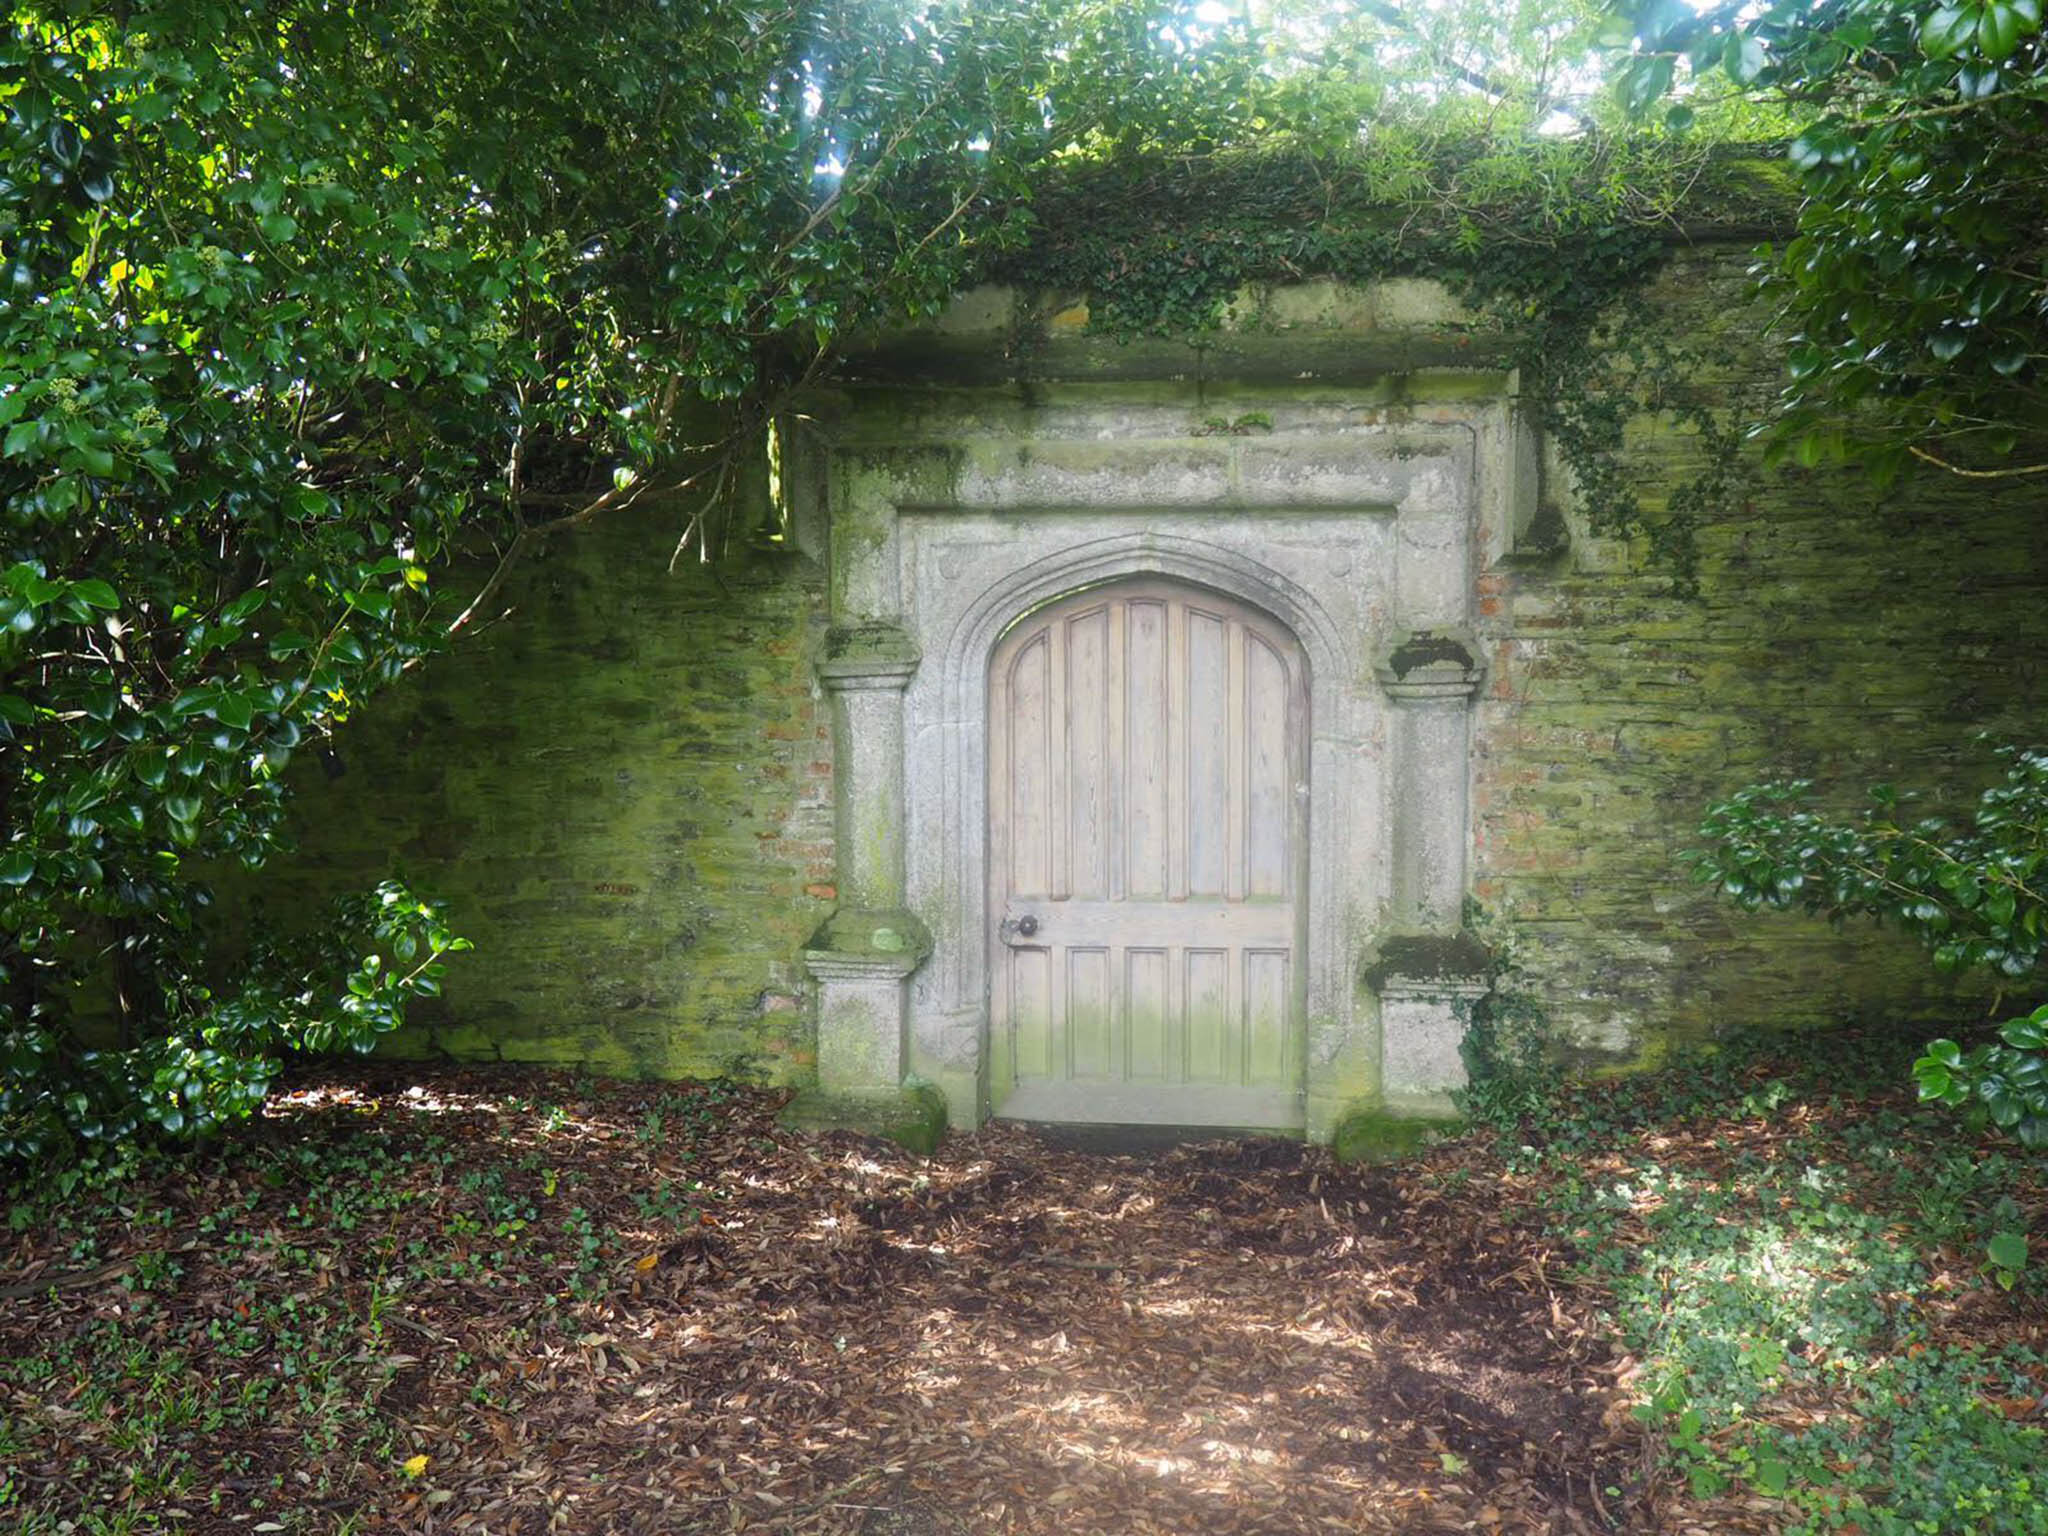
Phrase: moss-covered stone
pixel 624 793
pixel 1425 648
pixel 914 1117
pixel 861 934
pixel 1369 1136
pixel 1839 633
pixel 1456 957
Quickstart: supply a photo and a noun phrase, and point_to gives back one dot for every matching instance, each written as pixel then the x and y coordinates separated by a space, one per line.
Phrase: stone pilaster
pixel 861 961
pixel 1431 677
pixel 1428 973
pixel 865 669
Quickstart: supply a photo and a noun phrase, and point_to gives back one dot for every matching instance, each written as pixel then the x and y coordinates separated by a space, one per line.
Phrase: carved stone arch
pixel 1360 542
pixel 1198 562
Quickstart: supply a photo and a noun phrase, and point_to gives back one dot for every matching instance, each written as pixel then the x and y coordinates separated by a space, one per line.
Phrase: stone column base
pixel 860 965
pixel 1427 986
pixel 914 1116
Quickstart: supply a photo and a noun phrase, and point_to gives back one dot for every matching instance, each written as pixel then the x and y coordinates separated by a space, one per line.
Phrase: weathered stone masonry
pixel 625 793
pixel 1842 634
pixel 627 790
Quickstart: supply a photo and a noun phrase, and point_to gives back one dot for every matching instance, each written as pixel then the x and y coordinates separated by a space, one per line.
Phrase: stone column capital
pixel 868 656
pixel 1428 666
pixel 860 945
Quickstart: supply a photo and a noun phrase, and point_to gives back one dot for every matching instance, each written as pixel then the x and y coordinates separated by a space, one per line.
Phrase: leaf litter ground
pixel 625 1308
pixel 458 1300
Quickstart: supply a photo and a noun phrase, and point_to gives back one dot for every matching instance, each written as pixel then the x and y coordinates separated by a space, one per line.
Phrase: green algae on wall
pixel 1839 633
pixel 624 794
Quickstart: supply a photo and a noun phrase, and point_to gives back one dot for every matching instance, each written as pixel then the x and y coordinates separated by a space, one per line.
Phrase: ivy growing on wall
pixel 1553 247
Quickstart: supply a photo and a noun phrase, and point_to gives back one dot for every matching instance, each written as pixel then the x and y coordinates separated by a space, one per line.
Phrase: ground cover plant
pixel 510 1303
pixel 1822 1287
pixel 1968 889
pixel 1751 1294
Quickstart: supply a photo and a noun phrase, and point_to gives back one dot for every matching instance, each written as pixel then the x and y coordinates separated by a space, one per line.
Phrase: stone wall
pixel 625 790
pixel 1840 634
pixel 624 793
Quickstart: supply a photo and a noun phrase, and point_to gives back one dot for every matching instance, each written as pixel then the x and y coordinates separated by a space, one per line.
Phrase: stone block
pixel 913 1116
pixel 1374 1136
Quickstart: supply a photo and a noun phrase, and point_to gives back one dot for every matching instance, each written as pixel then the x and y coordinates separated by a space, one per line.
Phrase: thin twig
pixel 1057 1262
pixel 1975 474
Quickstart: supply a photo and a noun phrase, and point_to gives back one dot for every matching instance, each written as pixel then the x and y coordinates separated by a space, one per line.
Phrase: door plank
pixel 1031 1005
pixel 1269 784
pixel 1028 827
pixel 1088 767
pixel 1089 1029
pixel 1146 743
pixel 1268 996
pixel 1208 1014
pixel 1060 870
pixel 1155 924
pixel 1178 766
pixel 1208 753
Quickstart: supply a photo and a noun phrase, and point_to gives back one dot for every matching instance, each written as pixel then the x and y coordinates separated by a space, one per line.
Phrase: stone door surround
pixel 950 518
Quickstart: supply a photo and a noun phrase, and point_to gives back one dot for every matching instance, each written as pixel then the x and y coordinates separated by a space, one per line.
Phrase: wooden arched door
pixel 1148 807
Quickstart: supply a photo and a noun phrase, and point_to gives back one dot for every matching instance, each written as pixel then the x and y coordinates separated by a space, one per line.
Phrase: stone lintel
pixel 1285 335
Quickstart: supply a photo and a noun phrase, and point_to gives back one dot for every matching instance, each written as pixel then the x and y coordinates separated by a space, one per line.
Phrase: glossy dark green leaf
pixel 1949 30
pixel 1999 29
pixel 65 144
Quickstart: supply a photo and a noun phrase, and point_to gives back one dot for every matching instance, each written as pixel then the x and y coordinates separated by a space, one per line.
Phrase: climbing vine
pixel 1552 246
